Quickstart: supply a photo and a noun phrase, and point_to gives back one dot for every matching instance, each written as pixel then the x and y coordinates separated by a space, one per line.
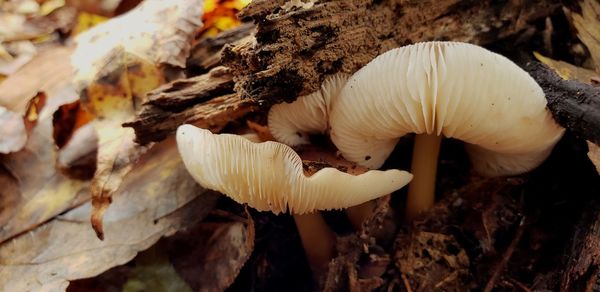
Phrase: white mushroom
pixel 269 176
pixel 449 89
pixel 291 123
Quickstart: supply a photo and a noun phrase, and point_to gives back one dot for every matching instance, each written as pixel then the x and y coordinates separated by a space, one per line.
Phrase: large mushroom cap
pixel 269 176
pixel 452 89
pixel 291 123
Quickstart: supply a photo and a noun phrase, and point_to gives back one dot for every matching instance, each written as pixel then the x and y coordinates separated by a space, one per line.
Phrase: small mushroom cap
pixel 269 176
pixel 457 90
pixel 291 123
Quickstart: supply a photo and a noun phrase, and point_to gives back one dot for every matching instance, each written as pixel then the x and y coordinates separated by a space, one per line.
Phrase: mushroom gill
pixel 269 176
pixel 291 123
pixel 450 89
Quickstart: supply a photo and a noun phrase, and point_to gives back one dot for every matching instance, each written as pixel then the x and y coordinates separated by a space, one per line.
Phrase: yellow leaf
pixel 588 27
pixel 568 71
pixel 86 21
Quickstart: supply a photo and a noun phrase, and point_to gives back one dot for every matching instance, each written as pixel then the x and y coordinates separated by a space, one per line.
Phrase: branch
pixel 574 105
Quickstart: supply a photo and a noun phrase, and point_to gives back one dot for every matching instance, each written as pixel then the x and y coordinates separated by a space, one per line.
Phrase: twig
pixel 506 257
pixel 406 283
pixel 519 284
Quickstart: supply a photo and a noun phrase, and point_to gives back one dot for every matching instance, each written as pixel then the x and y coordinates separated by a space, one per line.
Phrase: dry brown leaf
pixel 15 55
pixel 77 159
pixel 157 198
pixel 594 155
pixel 16 128
pixel 13 135
pixel 66 120
pixel 100 7
pixel 128 54
pixel 49 71
pixel 568 71
pixel 210 256
pixel 44 192
pixel 588 27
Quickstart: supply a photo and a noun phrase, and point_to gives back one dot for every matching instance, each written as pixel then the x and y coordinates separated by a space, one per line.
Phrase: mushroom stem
pixel 318 241
pixel 358 214
pixel 424 166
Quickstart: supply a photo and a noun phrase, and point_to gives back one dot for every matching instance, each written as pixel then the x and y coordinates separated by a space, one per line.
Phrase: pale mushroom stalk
pixel 357 215
pixel 318 241
pixel 421 190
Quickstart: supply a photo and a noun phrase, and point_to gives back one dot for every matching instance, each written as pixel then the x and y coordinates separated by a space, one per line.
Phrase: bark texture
pixel 574 105
pixel 298 43
pixel 207 101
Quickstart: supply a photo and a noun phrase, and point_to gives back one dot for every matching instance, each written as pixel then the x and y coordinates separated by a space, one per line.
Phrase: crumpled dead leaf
pixel 44 192
pixel 12 133
pixel 587 24
pixel 210 255
pixel 568 71
pixel 49 72
pixel 16 128
pixel 129 53
pixel 157 198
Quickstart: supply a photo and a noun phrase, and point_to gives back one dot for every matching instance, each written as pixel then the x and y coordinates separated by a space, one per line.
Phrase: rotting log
pixel 298 43
pixel 206 54
pixel 207 101
pixel 574 105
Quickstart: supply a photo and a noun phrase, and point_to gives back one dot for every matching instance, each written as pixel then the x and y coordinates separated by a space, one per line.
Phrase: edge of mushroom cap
pixel 292 123
pixel 425 88
pixel 269 176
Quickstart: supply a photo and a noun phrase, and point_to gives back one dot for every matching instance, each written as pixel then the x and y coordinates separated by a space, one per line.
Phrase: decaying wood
pixel 298 43
pixel 574 105
pixel 207 101
pixel 206 54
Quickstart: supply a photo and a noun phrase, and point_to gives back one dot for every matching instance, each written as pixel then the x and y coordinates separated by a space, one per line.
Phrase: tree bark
pixel 207 101
pixel 298 43
pixel 574 105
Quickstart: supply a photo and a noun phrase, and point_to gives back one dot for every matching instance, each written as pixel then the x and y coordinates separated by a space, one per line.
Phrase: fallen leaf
pixel 10 194
pixel 157 198
pixel 220 15
pixel 34 108
pixel 45 193
pixel 13 135
pixel 86 21
pixel 154 272
pixel 568 71
pixel 126 64
pixel 587 24
pixel 594 155
pixel 105 8
pixel 210 255
pixel 78 158
pixel 49 71
pixel 66 120
pixel 15 55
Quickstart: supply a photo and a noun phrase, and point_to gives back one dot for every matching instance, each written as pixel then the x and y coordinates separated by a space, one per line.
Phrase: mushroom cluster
pixel 269 176
pixel 436 89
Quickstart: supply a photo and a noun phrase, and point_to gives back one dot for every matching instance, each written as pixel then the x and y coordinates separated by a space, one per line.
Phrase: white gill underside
pixel 269 176
pixel 452 89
